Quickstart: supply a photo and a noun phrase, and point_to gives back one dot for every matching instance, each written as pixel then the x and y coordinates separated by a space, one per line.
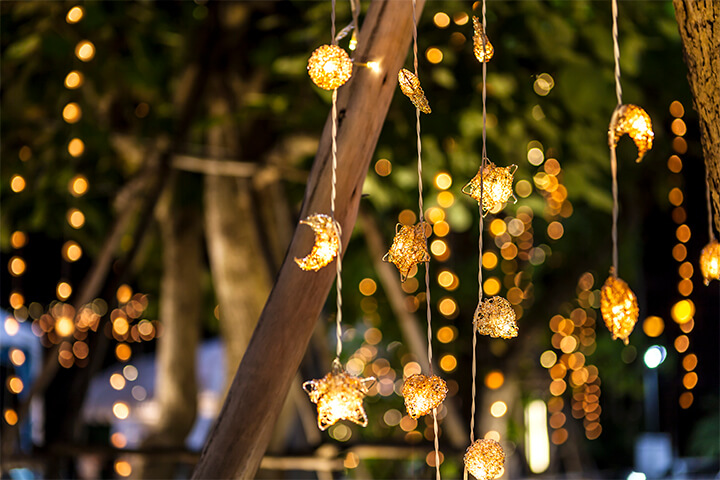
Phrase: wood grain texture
pixel 241 434
pixel 699 24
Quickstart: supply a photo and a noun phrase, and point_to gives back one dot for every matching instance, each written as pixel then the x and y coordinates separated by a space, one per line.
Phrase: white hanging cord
pixel 613 157
pixel 616 50
pixel 711 234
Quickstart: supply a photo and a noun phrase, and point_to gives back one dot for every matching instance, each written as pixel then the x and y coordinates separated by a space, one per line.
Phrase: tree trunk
pixel 699 24
pixel 242 432
pixel 180 306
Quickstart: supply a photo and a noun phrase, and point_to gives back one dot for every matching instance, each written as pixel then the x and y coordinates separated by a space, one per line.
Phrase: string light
pixel 495 317
pixel 329 67
pixel 619 307
pixel 409 248
pixel 484 459
pixel 482 47
pixel 423 394
pixel 410 86
pixel 326 245
pixel 339 396
pixel 491 187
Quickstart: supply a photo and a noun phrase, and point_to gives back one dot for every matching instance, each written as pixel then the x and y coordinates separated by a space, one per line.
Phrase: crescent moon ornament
pixel 329 67
pixel 327 242
pixel 408 248
pixel 634 121
pixel 482 54
pixel 410 86
pixel 619 307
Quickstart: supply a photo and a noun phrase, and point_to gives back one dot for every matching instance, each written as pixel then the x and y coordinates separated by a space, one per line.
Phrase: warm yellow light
pixel 123 468
pixel 494 380
pixel 445 199
pixel 123 352
pixel 75 14
pixel 686 400
pixel 678 127
pixel 484 459
pixel 12 326
pixel 496 187
pixel 16 266
pixel 683 233
pixel 15 385
pixel 537 442
pixel 682 343
pixel 17 357
pixel 498 409
pixel 495 317
pixel 121 410
pixel 18 239
pixel 74 80
pixel 634 121
pixel 339 396
pixel 72 113
pixel 446 279
pixel 683 311
pixel 482 47
pixel 409 248
pixel 85 50
pixel 548 358
pixel 80 349
pixel 75 218
pixel 367 286
pixel 434 55
pixel 327 242
pixel 441 19
pixel 619 307
pixel 64 326
pixel 710 262
pixel 653 326
pixel 690 380
pixel 117 381
pixel 410 86
pixel 121 326
pixel 10 416
pixel 329 67
pixel 446 334
pixel 383 167
pixel 17 183
pixel 407 217
pixel 447 306
pixel 489 259
pixel 491 286
pixel 448 363
pixel 16 300
pixel 63 290
pixel 76 147
pixel 422 394
pixel 71 251
pixel 690 362
pixel 78 186
pixel 438 248
pixel 555 230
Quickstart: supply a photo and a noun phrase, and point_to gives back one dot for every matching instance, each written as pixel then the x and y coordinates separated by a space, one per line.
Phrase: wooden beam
pixel 242 431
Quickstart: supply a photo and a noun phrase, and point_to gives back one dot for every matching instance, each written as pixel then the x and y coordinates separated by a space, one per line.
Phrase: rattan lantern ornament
pixel 410 86
pixel 409 247
pixel 329 67
pixel 422 394
pixel 495 317
pixel 483 50
pixel 619 307
pixel 496 189
pixel 339 396
pixel 710 262
pixel 327 242
pixel 634 121
pixel 484 459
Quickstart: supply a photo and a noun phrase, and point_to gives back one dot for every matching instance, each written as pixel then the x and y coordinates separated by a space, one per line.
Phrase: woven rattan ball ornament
pixel 710 262
pixel 482 52
pixel 339 396
pixel 495 317
pixel 329 67
pixel 327 242
pixel 484 459
pixel 409 247
pixel 497 187
pixel 410 86
pixel 619 307
pixel 422 394
pixel 634 121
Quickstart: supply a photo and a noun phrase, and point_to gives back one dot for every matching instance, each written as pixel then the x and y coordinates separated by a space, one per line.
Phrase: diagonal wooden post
pixel 241 434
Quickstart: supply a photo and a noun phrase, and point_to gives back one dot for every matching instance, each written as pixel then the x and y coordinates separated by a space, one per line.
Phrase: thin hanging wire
pixel 613 156
pixel 421 216
pixel 333 195
pixel 711 233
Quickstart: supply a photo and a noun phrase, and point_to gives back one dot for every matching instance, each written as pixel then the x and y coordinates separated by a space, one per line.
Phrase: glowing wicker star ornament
pixel 408 248
pixel 496 187
pixel 339 396
pixel 634 121
pixel 482 54
pixel 495 317
pixel 422 394
pixel 329 67
pixel 327 242
pixel 710 262
pixel 619 307
pixel 410 86
pixel 484 459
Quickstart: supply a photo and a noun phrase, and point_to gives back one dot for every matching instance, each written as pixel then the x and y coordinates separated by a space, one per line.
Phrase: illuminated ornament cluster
pixel 495 317
pixel 496 186
pixel 409 247
pixel 410 86
pixel 482 54
pixel 634 121
pixel 710 262
pixel 422 394
pixel 619 307
pixel 484 459
pixel 327 242
pixel 339 396
pixel 329 67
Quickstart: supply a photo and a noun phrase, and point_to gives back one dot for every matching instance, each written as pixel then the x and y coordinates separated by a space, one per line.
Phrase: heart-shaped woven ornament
pixel 422 394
